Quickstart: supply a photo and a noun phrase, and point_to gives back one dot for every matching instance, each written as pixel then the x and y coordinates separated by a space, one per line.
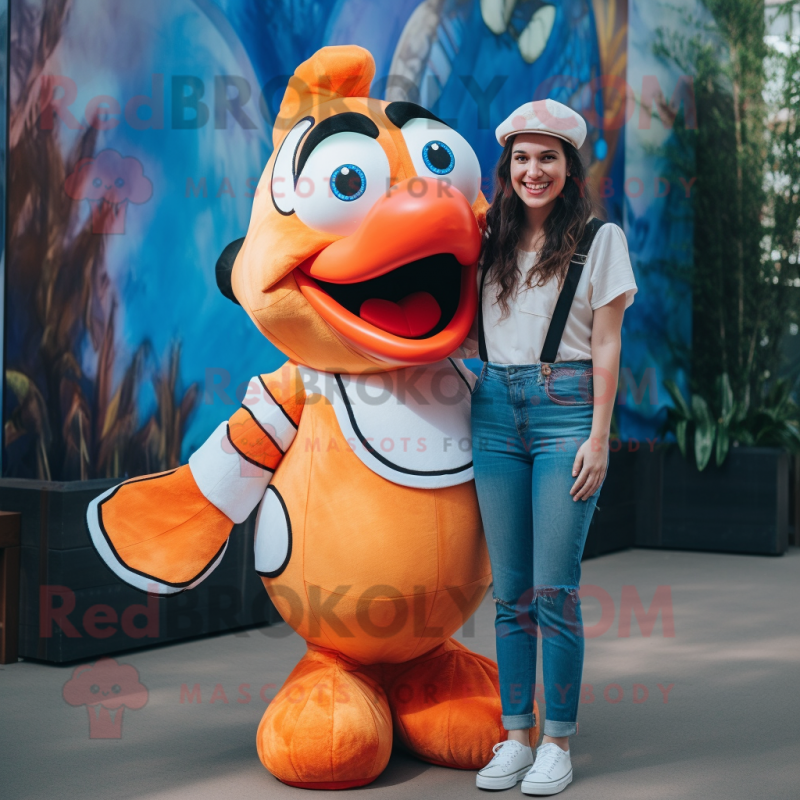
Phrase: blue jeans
pixel 526 430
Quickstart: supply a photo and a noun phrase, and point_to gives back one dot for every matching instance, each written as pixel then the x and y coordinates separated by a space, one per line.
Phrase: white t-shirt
pixel 519 338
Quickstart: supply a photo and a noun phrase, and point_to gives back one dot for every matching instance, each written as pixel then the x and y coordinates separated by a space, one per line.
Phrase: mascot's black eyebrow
pixel 349 121
pixel 401 112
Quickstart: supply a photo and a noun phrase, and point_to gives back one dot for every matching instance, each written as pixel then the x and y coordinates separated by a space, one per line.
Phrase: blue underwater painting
pixel 137 133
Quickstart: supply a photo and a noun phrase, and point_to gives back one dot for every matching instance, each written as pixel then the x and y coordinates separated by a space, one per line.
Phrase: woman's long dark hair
pixel 505 220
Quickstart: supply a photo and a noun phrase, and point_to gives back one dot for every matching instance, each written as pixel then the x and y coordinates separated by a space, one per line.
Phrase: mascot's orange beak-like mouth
pixel 402 288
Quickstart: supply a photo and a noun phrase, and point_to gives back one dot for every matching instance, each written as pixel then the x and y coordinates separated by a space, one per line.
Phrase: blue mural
pixel 120 350
pixel 658 221
pixel 3 85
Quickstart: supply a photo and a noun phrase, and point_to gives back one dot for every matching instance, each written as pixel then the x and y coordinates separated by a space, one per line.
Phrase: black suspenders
pixel 565 298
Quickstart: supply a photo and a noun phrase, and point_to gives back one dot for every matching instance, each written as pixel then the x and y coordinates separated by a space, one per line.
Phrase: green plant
pixel 707 429
pixel 746 201
pixel 699 425
pixel 746 273
pixel 781 219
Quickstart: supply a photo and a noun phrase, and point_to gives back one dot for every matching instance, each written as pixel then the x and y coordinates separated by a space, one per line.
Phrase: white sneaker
pixel 551 773
pixel 508 767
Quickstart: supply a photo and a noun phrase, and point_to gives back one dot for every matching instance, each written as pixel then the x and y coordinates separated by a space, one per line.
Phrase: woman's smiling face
pixel 538 168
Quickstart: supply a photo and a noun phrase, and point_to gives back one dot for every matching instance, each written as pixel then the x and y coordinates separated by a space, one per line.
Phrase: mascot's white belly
pixel 410 426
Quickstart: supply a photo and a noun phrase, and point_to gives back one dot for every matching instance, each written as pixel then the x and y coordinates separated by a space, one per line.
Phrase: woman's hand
pixel 591 460
pixel 589 467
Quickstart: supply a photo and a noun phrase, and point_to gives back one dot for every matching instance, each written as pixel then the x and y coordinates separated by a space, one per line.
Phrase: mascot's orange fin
pixel 159 533
pixel 165 533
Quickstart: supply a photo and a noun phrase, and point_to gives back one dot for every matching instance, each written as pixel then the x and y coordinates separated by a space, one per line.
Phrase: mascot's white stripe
pixel 146 584
pixel 231 483
pixel 269 415
pixel 273 535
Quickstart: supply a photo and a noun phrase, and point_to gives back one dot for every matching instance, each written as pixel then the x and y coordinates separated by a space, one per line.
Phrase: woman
pixel 541 413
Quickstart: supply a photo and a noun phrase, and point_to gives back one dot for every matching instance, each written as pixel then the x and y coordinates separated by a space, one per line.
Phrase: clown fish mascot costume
pixel 360 265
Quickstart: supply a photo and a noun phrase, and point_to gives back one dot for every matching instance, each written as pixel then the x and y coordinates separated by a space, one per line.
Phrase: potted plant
pixel 724 484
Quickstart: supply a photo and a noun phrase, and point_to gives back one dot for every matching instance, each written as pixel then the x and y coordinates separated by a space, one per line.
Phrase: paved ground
pixel 728 728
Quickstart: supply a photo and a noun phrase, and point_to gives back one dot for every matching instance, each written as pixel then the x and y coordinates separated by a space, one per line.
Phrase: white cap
pixel 544 116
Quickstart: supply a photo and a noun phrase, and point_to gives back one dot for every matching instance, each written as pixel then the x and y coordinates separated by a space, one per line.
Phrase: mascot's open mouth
pixel 414 301
pixel 402 288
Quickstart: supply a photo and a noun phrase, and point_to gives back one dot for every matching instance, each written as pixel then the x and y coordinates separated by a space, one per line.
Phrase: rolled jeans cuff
pixel 518 722
pixel 556 729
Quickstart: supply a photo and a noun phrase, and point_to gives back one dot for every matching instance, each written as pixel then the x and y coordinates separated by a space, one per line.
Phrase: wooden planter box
pixel 740 507
pixel 9 587
pixel 72 606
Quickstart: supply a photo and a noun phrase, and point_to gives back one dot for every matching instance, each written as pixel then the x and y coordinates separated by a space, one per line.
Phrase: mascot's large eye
pixel 94 688
pixel 116 688
pixel 119 183
pixel 343 177
pixel 348 182
pixel 440 152
pixel 97 182
pixel 438 158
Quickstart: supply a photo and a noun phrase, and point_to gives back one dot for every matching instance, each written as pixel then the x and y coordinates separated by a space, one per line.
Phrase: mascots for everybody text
pixel 360 265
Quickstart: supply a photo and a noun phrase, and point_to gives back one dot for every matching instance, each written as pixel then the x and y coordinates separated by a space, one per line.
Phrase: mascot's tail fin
pixel 159 533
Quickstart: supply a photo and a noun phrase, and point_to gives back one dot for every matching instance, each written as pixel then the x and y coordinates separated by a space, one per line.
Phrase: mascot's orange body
pixel 359 264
